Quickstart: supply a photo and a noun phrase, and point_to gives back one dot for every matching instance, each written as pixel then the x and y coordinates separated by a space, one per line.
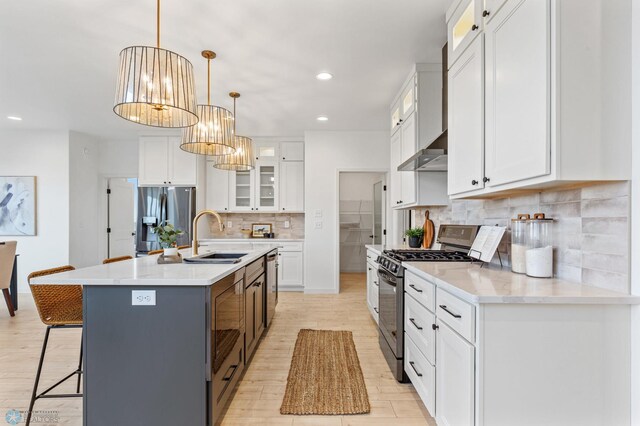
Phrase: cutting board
pixel 428 231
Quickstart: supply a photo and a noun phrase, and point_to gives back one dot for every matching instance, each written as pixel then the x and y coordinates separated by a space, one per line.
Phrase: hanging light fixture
pixel 155 86
pixel 243 158
pixel 213 135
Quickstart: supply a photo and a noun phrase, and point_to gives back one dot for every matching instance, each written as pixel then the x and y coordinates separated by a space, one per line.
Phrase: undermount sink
pixel 216 257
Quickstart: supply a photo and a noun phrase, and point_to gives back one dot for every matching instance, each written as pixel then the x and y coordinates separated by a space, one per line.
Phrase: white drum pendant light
pixel 243 158
pixel 155 86
pixel 213 135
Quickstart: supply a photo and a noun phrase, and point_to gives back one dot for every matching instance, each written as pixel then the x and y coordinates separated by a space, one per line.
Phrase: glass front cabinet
pixel 257 190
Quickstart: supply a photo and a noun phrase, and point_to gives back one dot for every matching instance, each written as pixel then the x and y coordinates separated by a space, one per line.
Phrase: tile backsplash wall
pixel 242 221
pixel 591 228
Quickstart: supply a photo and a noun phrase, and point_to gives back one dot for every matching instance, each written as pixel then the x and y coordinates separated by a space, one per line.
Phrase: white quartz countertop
pixel 491 284
pixel 379 248
pixel 145 271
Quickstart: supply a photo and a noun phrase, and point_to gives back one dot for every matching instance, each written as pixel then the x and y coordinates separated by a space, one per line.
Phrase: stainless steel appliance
pixel 156 205
pixel 455 241
pixel 272 286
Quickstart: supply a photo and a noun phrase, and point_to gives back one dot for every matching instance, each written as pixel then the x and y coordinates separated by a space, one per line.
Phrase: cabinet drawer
pixel 421 373
pixel 283 247
pixel 418 324
pixel 422 290
pixel 457 313
pixel 371 256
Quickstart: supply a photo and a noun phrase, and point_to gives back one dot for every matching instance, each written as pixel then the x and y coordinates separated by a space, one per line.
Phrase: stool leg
pixel 80 365
pixel 35 385
pixel 7 299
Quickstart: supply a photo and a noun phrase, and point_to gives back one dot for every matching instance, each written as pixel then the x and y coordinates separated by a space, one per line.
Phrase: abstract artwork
pixel 17 205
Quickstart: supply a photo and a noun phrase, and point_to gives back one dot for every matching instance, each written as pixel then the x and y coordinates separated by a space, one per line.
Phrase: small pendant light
pixel 243 158
pixel 213 135
pixel 155 86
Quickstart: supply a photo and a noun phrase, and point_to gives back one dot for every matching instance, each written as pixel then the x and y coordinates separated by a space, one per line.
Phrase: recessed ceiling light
pixel 323 118
pixel 14 118
pixel 324 76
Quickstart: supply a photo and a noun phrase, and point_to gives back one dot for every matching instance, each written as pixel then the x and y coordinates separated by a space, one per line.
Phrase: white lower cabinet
pixel 455 378
pixel 372 289
pixel 421 373
pixel 290 269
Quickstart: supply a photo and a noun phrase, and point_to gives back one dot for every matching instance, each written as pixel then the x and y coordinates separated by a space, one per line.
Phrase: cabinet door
pixel 241 190
pixel 490 9
pixel 182 165
pixel 394 175
pixel 463 28
pixel 517 92
pixel 260 288
pixel 267 151
pixel 266 186
pixel 249 320
pixel 396 116
pixel 466 122
pixel 408 99
pixel 370 272
pixel 292 186
pixel 409 147
pixel 217 189
pixel 292 151
pixel 455 378
pixel 153 161
pixel 290 269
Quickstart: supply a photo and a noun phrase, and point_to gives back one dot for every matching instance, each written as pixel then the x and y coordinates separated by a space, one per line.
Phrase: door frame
pixel 103 219
pixel 336 224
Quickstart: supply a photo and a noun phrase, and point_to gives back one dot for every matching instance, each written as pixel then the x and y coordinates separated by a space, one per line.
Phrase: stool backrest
pixel 55 301
pixel 116 259
pixel 152 252
pixel 7 257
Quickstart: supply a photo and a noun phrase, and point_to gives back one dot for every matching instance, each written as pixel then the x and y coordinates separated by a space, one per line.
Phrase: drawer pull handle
pixel 415 288
pixel 414 368
pixel 444 308
pixel 377 311
pixel 415 324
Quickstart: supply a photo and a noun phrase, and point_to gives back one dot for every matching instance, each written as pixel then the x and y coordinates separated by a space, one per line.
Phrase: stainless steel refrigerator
pixel 175 205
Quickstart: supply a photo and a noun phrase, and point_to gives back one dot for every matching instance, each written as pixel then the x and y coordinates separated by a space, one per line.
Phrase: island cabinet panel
pixel 145 365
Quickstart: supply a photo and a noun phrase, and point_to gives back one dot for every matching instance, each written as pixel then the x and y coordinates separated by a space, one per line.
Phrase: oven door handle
pixel 389 279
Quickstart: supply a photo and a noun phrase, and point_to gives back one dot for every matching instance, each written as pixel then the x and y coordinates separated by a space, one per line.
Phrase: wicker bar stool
pixel 116 259
pixel 183 247
pixel 152 252
pixel 59 306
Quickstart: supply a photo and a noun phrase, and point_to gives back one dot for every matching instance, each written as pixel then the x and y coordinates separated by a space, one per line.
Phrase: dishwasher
pixel 272 286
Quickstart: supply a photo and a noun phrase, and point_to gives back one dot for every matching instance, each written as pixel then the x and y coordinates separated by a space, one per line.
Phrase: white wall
pixel 44 154
pixel 326 153
pixel 118 158
pixel 83 200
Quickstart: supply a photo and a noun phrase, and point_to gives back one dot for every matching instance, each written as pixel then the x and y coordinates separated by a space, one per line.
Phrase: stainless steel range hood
pixel 433 158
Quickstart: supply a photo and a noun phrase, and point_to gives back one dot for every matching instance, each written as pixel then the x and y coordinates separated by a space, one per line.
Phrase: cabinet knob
pixel 485 179
pixel 474 182
pixel 283 208
pixel 400 120
pixel 485 13
pixel 283 158
pixel 434 327
pixel 474 27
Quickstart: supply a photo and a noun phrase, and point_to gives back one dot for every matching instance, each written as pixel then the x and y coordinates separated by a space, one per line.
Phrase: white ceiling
pixel 58 59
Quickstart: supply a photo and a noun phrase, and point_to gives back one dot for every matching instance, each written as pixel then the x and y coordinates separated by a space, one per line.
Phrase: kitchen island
pixel 164 344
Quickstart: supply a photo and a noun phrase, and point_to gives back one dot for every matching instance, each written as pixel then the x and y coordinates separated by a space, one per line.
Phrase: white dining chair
pixel 7 257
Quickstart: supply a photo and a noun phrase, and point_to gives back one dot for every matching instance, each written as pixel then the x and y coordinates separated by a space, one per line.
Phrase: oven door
pixel 391 305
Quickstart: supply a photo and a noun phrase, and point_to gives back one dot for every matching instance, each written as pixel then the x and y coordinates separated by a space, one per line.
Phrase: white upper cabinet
pixel 292 151
pixel 408 99
pixel 553 91
pixel 517 87
pixel 162 162
pixel 266 151
pixel 395 177
pixel 466 122
pixel 241 190
pixel 217 189
pixel 292 186
pixel 463 26
pixel 396 116
pixel 266 186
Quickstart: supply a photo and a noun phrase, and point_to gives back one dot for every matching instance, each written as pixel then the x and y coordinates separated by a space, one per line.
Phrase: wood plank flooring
pixel 259 395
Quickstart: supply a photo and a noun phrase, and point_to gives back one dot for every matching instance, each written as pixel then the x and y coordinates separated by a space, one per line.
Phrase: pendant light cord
pixel 158 24
pixel 234 116
pixel 208 81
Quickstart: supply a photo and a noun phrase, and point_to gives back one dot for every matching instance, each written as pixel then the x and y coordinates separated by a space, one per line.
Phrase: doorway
pixel 362 221
pixel 121 217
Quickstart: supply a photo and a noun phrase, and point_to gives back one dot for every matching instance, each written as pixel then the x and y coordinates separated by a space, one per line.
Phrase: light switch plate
pixel 229 224
pixel 318 225
pixel 143 298
pixel 319 213
pixel 287 224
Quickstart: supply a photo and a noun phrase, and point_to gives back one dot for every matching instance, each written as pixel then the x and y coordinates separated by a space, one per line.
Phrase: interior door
pixel 121 218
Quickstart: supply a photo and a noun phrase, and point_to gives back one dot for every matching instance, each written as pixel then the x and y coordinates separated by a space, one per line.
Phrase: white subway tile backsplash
pixel 591 228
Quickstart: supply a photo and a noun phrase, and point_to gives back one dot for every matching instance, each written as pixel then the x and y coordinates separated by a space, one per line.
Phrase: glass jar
pixel 539 254
pixel 519 243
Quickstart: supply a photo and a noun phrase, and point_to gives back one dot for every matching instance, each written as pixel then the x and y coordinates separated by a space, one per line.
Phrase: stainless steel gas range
pixel 455 241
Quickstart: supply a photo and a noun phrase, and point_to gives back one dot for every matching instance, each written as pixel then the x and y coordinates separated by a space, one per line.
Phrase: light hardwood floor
pixel 259 395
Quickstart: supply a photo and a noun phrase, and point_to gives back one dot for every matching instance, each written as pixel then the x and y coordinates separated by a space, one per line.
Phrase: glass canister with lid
pixel 539 240
pixel 519 243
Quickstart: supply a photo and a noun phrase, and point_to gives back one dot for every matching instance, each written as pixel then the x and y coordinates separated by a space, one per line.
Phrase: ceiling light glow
pixel 323 118
pixel 324 76
pixel 14 118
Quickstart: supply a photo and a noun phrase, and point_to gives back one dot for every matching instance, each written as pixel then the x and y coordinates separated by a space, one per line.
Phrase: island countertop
pixel 494 285
pixel 145 271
